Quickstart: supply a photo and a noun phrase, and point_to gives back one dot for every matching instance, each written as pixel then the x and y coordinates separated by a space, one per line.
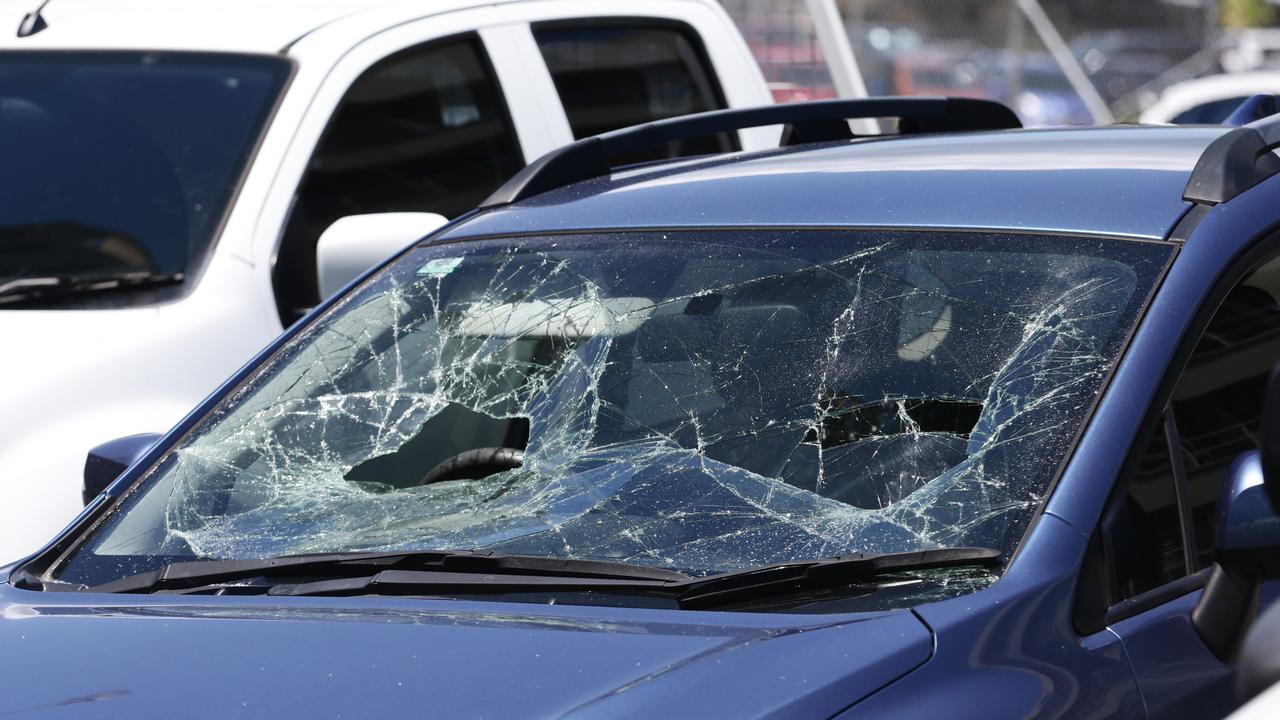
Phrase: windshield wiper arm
pixel 769 581
pixel 30 288
pixel 419 582
pixel 466 572
pixel 766 581
pixel 363 566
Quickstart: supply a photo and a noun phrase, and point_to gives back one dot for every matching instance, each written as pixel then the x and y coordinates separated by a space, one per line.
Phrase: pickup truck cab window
pixel 615 73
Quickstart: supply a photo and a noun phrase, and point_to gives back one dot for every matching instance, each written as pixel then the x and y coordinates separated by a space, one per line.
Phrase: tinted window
pixel 1217 401
pixel 423 130
pixel 1143 529
pixel 612 75
pixel 121 163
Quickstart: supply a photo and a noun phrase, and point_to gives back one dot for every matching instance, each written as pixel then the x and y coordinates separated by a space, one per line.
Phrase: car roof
pixel 260 26
pixel 1122 180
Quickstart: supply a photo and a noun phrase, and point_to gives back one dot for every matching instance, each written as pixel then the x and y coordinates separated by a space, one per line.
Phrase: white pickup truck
pixel 169 168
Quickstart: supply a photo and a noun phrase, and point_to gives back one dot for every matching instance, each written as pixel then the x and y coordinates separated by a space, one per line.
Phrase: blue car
pixel 962 421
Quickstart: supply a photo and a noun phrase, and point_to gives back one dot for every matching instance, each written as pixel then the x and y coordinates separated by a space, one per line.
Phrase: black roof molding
pixel 808 122
pixel 1235 162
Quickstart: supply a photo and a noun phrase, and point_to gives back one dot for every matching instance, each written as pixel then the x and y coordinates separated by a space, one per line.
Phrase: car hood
pixel 152 656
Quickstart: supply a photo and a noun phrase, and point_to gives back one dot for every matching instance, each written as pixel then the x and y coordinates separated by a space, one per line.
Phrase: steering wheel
pixel 474 464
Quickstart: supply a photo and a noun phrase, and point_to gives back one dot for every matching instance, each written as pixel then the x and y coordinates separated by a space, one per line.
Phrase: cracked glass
pixel 700 401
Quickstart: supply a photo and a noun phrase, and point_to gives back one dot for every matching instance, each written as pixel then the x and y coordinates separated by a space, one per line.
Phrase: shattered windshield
pixel 699 401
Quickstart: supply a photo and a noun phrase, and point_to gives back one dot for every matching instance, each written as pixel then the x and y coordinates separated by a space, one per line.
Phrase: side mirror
pixel 107 461
pixel 1247 551
pixel 1246 538
pixel 356 243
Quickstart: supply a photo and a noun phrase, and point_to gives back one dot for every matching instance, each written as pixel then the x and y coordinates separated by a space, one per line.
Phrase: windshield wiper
pixel 32 288
pixel 689 593
pixel 771 581
pixel 478 572
pixel 358 567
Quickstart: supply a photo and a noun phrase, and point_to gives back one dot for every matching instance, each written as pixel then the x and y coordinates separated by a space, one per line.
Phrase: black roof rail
pixel 1239 159
pixel 807 122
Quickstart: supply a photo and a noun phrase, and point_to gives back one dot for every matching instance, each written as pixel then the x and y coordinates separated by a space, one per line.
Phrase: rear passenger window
pixel 614 73
pixel 424 130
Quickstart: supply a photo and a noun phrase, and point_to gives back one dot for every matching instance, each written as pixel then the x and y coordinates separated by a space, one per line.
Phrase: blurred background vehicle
pixel 182 180
pixel 1034 86
pixel 1210 99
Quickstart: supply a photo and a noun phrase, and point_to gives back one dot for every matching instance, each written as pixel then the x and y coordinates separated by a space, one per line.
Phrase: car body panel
pixel 1121 181
pixel 125 377
pixel 1010 650
pixel 253 657
pixel 1174 669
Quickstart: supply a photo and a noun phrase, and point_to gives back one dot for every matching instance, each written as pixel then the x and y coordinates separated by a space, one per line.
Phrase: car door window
pixel 1160 528
pixel 1143 536
pixel 426 129
pixel 1217 402
pixel 616 73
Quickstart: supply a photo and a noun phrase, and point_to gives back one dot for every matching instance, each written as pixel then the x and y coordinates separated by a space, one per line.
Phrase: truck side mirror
pixel 356 243
pixel 109 460
pixel 1246 538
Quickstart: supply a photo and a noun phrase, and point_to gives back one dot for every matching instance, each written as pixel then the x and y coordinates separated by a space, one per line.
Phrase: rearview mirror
pixel 109 460
pixel 356 243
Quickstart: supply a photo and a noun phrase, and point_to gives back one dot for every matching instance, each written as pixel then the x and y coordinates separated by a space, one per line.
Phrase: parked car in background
pixel 833 430
pixel 185 178
pixel 1209 100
